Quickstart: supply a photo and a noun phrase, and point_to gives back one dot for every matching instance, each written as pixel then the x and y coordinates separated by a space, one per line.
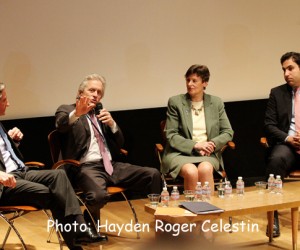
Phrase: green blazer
pixel 179 130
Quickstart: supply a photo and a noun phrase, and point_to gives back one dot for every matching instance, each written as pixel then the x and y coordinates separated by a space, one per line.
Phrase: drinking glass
pixel 189 195
pixel 154 199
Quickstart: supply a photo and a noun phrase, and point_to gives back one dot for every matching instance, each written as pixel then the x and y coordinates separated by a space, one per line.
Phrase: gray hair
pixel 91 77
pixel 2 87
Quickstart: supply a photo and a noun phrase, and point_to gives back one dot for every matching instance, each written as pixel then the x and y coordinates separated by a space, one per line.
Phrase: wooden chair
pixel 16 212
pixel 55 149
pixel 294 174
pixel 168 180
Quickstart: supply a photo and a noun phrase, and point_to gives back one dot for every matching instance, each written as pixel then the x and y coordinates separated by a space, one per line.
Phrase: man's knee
pixel 155 173
pixel 59 174
pixel 99 197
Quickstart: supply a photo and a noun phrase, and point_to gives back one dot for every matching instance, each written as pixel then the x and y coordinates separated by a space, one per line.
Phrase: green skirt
pixel 180 160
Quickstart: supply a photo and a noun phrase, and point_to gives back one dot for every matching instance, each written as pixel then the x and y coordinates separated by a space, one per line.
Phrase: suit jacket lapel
pixel 287 99
pixel 2 165
pixel 187 114
pixel 208 114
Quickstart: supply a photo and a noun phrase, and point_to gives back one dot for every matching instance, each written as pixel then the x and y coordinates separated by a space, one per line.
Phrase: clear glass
pixel 189 195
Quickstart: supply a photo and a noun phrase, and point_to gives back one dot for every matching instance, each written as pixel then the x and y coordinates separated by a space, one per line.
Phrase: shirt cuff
pixel 72 117
pixel 114 128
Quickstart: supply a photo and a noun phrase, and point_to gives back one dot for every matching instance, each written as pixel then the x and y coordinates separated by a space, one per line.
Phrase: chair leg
pixel 11 226
pixel 230 223
pixel 60 241
pixel 88 211
pixel 133 212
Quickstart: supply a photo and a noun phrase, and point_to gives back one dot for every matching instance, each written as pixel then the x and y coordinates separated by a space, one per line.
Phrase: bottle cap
pixel 271 175
pixel 278 176
pixel 198 183
pixel 175 187
pixel 164 189
pixel 240 178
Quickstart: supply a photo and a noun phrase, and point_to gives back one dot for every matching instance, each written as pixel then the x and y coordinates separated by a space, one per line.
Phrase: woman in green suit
pixel 197 128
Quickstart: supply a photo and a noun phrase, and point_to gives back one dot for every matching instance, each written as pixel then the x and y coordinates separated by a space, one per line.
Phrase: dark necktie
pixel 14 157
pixel 100 140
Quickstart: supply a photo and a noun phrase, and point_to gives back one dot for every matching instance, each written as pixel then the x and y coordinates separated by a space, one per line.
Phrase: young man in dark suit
pixel 280 123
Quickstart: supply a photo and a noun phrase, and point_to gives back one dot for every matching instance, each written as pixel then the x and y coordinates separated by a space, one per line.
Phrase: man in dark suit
pixel 44 189
pixel 82 132
pixel 280 127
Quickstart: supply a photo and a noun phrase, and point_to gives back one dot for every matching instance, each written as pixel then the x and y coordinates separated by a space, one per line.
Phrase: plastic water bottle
pixel 165 197
pixel 206 191
pixel 271 183
pixel 198 192
pixel 175 196
pixel 278 185
pixel 240 186
pixel 228 189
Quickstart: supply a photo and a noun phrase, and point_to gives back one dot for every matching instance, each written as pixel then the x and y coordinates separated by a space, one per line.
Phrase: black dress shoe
pixel 88 237
pixel 90 223
pixel 276 229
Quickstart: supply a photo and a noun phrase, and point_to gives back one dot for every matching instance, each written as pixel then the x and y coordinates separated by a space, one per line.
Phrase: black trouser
pixel 281 160
pixel 46 189
pixel 92 179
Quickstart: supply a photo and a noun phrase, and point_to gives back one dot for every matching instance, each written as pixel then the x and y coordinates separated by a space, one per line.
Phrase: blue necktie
pixel 10 149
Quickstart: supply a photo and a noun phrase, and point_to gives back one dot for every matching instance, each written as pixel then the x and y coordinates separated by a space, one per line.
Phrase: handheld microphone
pixel 98 108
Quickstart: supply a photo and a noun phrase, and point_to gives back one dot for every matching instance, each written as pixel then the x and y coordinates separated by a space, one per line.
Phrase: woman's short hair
pixel 200 70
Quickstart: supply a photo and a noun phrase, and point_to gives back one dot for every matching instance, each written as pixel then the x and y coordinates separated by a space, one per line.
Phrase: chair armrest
pixel 65 162
pixel 34 164
pixel 229 144
pixel 159 147
pixel 124 152
pixel 264 142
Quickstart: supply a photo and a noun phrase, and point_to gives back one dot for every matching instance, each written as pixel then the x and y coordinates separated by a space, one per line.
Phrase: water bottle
pixel 271 183
pixel 278 185
pixel 165 197
pixel 240 186
pixel 206 191
pixel 198 192
pixel 175 196
pixel 228 189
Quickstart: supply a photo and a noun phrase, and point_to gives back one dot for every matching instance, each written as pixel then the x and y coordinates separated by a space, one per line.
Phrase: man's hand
pixel 294 141
pixel 7 180
pixel 83 106
pixel 15 134
pixel 106 118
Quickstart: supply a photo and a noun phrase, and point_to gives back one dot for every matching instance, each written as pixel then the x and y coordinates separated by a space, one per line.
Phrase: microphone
pixel 98 108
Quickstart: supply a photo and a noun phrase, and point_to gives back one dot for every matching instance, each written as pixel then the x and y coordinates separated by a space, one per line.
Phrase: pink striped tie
pixel 106 161
pixel 297 111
